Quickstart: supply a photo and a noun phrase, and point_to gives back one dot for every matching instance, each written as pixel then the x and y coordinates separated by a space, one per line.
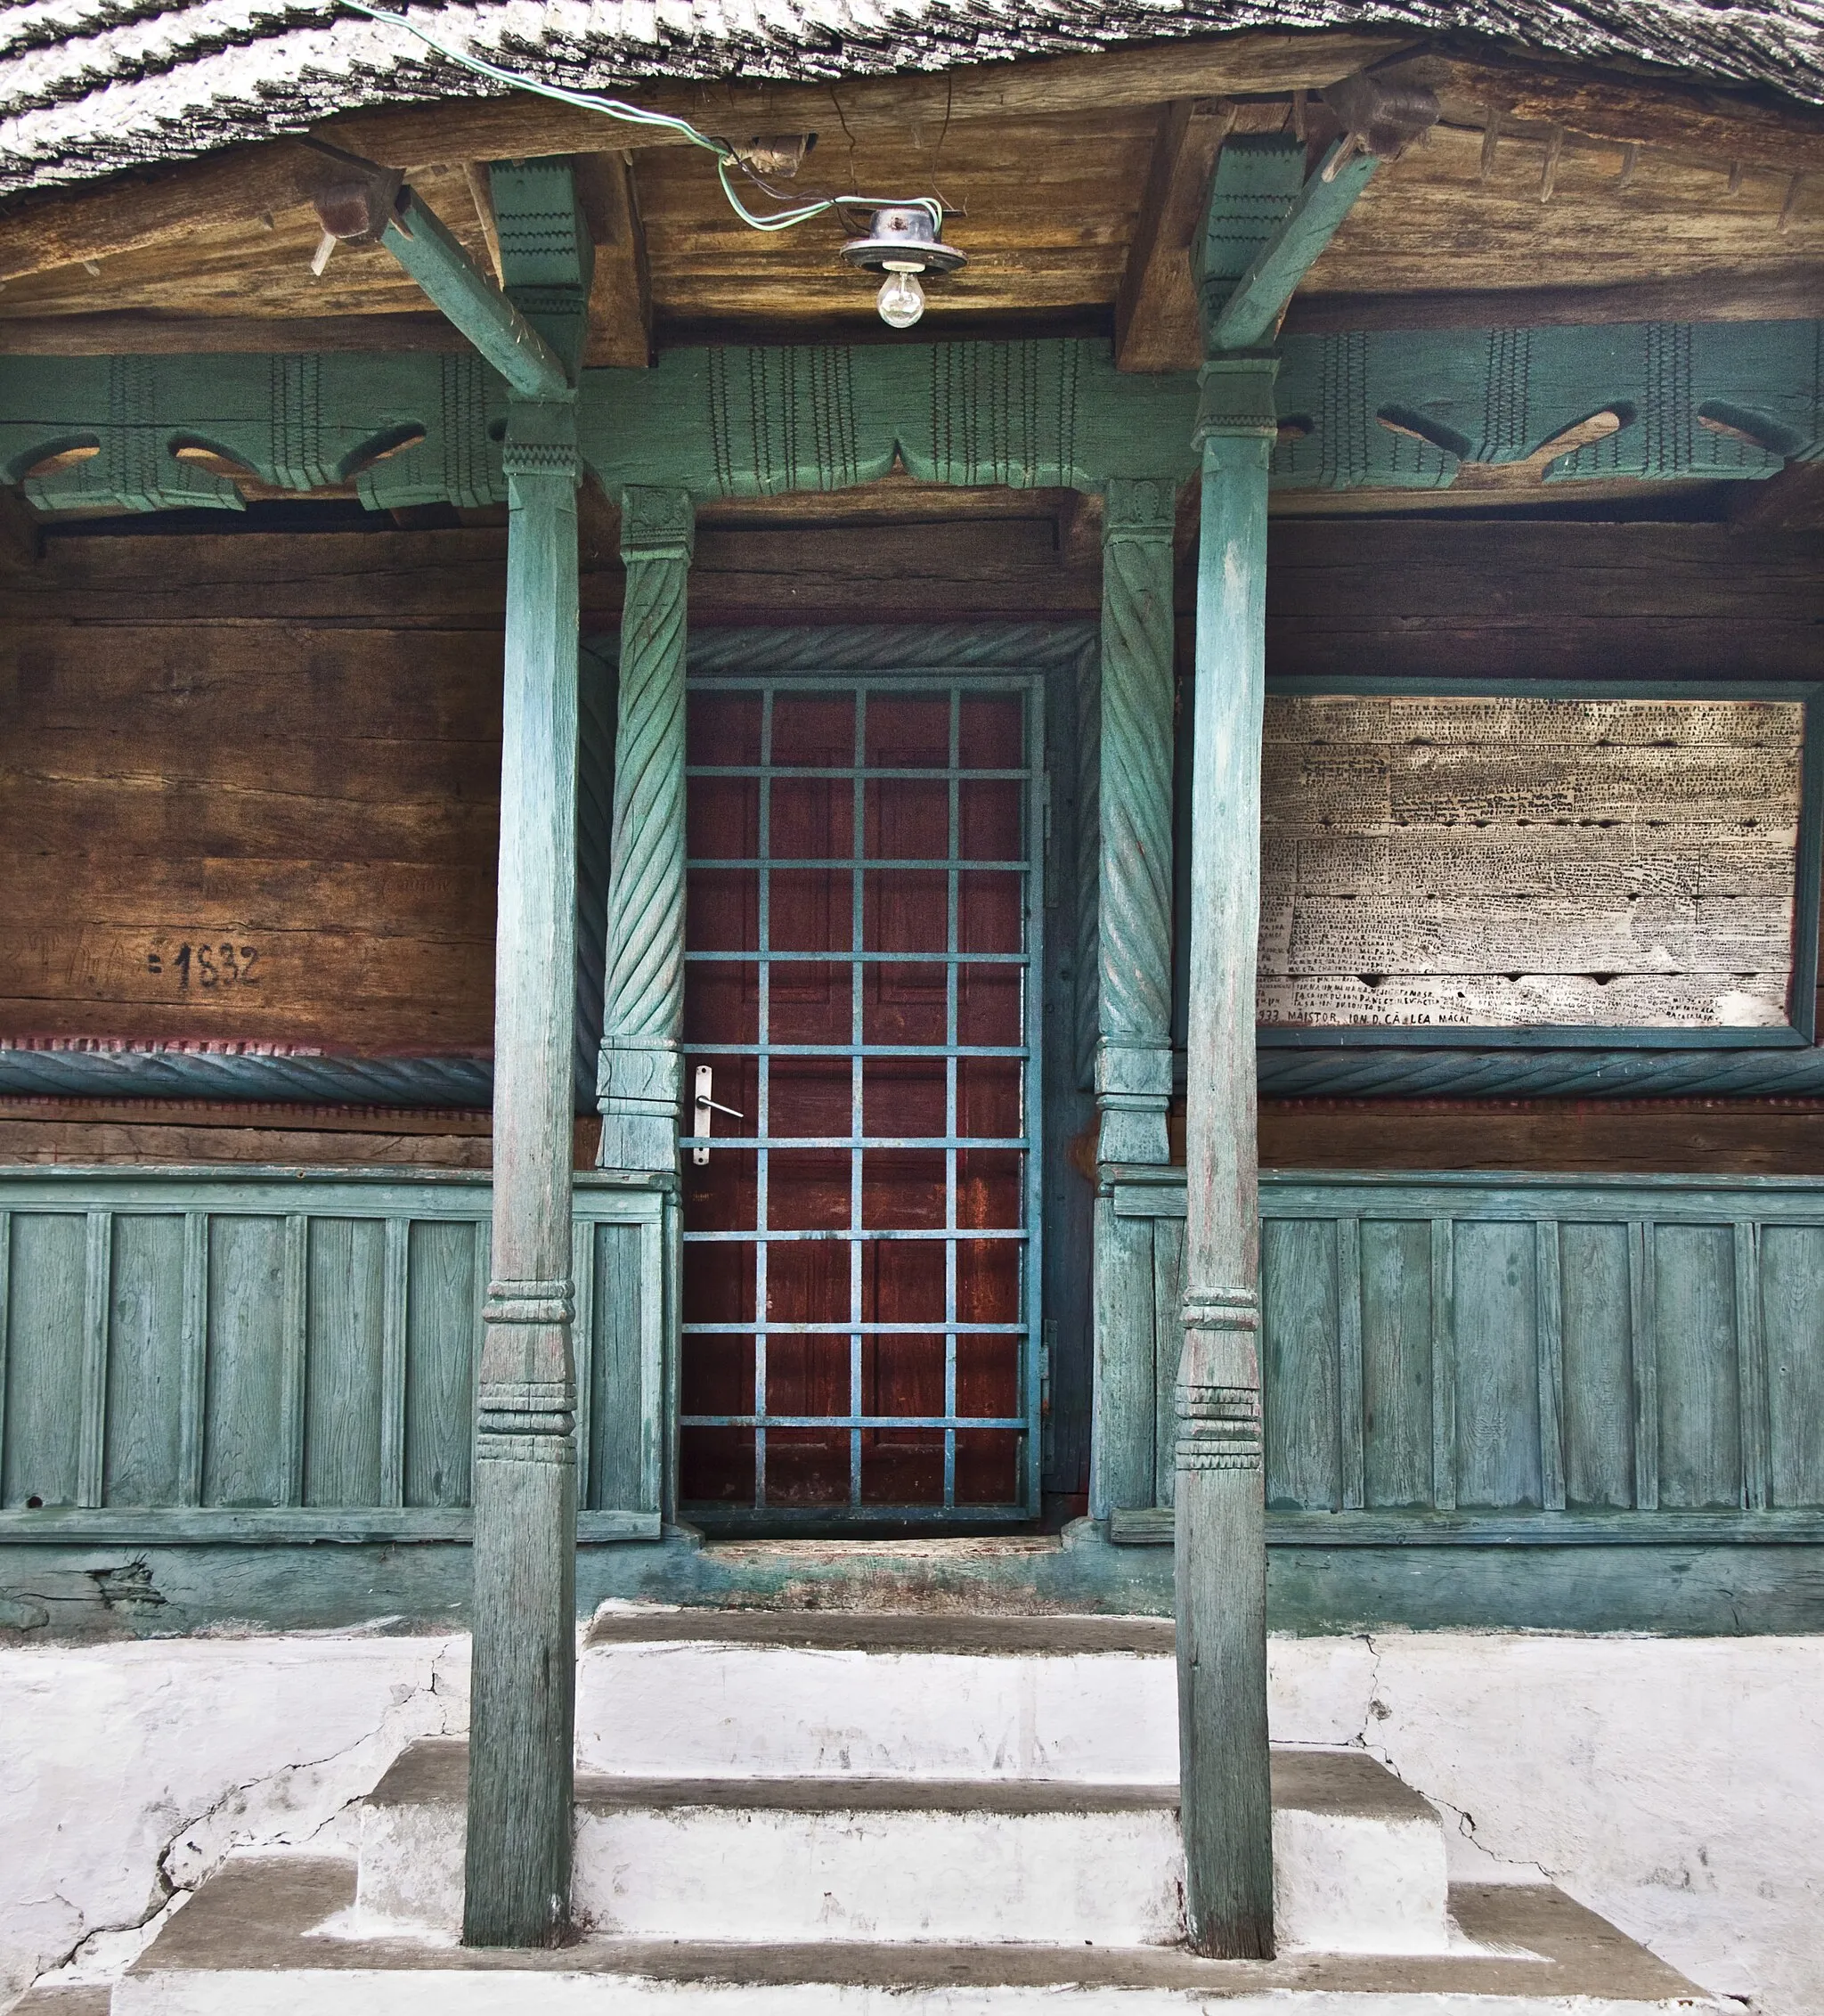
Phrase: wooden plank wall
pixel 296 1352
pixel 1500 1349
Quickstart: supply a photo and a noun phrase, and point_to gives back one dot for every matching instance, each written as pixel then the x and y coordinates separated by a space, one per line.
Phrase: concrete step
pixel 779 1693
pixel 269 1936
pixel 1360 1859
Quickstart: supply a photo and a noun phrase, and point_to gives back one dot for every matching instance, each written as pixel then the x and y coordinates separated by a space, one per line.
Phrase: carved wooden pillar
pixel 1134 1040
pixel 518 1878
pixel 1221 1540
pixel 639 1083
pixel 1132 736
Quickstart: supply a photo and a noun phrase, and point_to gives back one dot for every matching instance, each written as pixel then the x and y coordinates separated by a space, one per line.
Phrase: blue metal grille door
pixel 861 1224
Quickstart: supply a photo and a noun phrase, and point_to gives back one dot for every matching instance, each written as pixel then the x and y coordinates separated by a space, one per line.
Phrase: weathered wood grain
pixel 1701 1457
pixel 1598 1375
pixel 1792 1290
pixel 43 1449
pixel 1300 1365
pixel 1126 1359
pixel 1395 1349
pixel 1403 837
pixel 244 1462
pixel 442 1318
pixel 343 1391
pixel 145 1387
pixel 1497 1376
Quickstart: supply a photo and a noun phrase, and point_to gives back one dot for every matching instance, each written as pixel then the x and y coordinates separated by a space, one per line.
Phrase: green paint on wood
pixel 754 421
pixel 419 239
pixel 1525 1345
pixel 638 1082
pixel 1249 314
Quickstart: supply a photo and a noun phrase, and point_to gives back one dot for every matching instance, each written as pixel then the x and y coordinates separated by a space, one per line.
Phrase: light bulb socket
pixel 903 239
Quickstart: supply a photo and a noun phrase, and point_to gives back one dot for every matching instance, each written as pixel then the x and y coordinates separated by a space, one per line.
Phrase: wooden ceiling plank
pixel 62 227
pixel 620 294
pixel 1156 307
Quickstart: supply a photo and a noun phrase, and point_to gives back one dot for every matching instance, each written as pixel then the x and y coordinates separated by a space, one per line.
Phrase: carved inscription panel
pixel 1511 861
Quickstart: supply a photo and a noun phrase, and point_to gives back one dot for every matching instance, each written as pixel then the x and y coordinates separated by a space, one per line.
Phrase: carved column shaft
pixel 1221 1552
pixel 1132 1052
pixel 638 1082
pixel 518 1877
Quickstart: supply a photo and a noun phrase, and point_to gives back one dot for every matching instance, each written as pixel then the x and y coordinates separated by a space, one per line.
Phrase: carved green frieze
pixel 1389 410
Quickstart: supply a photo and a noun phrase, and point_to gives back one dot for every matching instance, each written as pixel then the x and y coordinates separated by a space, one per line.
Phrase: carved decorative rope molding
pixel 638 1081
pixel 1133 1059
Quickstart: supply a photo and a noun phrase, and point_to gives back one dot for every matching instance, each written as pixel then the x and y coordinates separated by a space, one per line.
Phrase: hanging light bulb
pixel 902 243
pixel 901 298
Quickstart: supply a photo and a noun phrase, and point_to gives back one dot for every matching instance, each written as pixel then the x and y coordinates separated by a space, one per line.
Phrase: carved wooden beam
pixel 130 333
pixel 1395 410
pixel 1795 294
pixel 878 109
pixel 1680 118
pixel 620 298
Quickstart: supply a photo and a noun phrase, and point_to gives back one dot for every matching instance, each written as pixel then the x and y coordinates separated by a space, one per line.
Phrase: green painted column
pixel 523 1707
pixel 639 1084
pixel 1221 1511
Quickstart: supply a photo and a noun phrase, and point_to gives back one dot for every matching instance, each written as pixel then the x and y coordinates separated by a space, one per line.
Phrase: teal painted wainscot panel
pixel 228 1355
pixel 1496 1361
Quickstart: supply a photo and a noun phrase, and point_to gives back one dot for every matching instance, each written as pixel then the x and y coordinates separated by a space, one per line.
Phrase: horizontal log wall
pixel 286 1356
pixel 294 734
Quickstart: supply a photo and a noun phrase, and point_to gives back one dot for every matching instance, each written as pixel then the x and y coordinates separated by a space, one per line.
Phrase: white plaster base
pixel 128 1771
pixel 1360 1863
pixel 1674 1785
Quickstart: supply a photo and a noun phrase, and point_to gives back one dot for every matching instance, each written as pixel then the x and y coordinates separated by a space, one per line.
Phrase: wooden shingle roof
pixel 91 87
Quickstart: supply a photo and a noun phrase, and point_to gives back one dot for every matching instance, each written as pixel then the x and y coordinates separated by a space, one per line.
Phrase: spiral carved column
pixel 1133 1051
pixel 1220 1508
pixel 639 1079
pixel 517 1874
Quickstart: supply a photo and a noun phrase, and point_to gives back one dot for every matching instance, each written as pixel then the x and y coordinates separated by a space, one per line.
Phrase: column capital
pixel 1234 395
pixel 541 438
pixel 1139 506
pixel 658 524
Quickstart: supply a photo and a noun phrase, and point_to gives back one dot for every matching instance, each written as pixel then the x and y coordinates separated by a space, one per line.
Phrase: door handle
pixel 703 1106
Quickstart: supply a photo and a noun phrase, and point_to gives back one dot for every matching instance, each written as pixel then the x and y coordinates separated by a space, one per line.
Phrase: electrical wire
pixel 639 115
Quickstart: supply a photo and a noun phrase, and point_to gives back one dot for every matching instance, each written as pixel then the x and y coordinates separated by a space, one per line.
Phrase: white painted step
pixel 271 1936
pixel 770 1694
pixel 1360 1859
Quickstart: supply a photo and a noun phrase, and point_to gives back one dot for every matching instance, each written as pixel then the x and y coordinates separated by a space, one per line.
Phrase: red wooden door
pixel 860 1244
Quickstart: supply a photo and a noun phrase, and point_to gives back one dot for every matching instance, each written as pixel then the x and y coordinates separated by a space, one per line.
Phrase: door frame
pixel 1063 660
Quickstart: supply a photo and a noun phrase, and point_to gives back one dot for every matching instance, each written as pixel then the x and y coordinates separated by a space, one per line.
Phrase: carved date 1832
pixel 207 965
